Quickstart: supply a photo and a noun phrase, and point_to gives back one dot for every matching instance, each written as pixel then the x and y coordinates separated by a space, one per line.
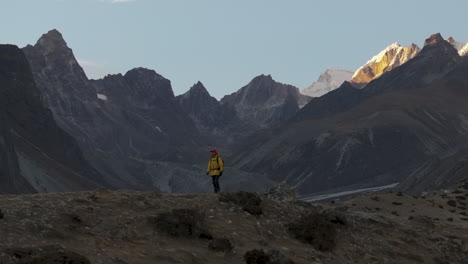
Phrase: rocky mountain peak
pixel 199 94
pixel 198 88
pixel 434 39
pixel 52 41
pixel 148 82
pixel 141 72
pixel 262 79
pixel 461 47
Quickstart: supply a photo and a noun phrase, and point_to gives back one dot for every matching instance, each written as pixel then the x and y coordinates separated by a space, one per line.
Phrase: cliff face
pixel 38 155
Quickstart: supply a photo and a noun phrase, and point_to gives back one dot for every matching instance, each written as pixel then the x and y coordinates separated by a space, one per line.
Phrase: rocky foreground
pixel 143 227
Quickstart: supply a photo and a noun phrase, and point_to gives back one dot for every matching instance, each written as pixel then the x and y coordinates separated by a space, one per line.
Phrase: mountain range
pixel 402 123
pixel 401 117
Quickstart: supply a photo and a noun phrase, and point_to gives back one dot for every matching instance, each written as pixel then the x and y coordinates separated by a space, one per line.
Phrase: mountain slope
pixel 374 136
pixel 329 80
pixel 121 122
pixel 212 118
pixel 37 156
pixel 264 102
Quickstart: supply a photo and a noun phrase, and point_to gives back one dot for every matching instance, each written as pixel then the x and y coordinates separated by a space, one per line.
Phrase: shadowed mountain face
pixel 122 122
pixel 400 123
pixel 212 118
pixel 36 154
pixel 265 103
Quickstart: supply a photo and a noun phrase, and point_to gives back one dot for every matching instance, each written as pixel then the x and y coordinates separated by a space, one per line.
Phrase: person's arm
pixel 208 168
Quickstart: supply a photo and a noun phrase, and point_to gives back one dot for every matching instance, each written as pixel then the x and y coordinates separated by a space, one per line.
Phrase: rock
pixel 277 258
pixel 337 215
pixel 281 192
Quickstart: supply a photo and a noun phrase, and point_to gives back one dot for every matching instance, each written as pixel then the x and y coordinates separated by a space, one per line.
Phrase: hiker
pixel 215 169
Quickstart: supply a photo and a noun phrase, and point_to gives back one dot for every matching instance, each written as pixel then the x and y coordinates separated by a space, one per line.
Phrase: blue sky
pixel 225 43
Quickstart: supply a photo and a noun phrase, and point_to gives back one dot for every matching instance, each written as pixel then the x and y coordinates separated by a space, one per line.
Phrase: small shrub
pixel 180 223
pixel 1 214
pixel 220 244
pixel 399 194
pixel 397 203
pixel 452 203
pixel 450 219
pixel 460 197
pixel 316 230
pixel 256 256
pixel 250 202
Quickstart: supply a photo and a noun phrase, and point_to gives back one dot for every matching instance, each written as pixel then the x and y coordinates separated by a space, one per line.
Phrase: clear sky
pixel 225 43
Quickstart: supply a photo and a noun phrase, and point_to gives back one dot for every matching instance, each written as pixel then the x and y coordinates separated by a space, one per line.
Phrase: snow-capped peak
pixel 391 57
pixel 463 51
pixel 377 58
pixel 461 47
pixel 329 80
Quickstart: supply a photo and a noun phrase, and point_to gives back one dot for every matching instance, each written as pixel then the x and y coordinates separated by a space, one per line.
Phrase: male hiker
pixel 215 169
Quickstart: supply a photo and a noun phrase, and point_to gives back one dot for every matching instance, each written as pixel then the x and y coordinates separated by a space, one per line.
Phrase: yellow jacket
pixel 215 165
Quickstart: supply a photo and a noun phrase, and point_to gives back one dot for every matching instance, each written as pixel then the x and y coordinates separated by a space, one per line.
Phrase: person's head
pixel 213 152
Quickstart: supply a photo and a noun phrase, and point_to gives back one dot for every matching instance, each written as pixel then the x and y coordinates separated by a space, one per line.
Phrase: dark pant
pixel 216 183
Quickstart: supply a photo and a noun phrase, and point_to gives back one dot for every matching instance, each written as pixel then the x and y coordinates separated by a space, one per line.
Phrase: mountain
pixel 123 123
pixel 381 134
pixel 461 47
pixel 264 102
pixel 387 60
pixel 329 80
pixel 208 114
pixel 35 154
pixel 435 60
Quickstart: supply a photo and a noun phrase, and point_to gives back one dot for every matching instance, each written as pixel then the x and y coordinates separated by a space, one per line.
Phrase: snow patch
pixel 321 139
pixel 102 97
pixel 350 142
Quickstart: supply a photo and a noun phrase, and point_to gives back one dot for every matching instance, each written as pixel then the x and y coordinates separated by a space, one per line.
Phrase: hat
pixel 214 151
